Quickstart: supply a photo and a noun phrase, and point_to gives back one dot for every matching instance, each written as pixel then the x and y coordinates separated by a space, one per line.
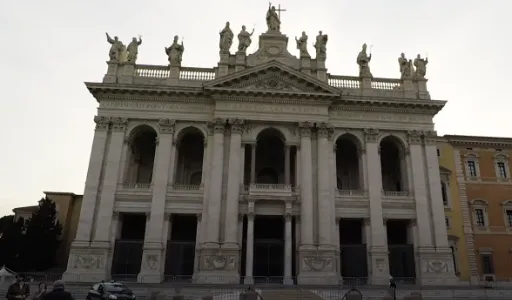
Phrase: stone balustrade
pixel 165 75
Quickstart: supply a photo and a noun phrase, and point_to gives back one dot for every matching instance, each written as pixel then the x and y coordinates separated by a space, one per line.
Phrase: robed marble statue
pixel 302 45
pixel 244 39
pixel 175 52
pixel 133 49
pixel 117 51
pixel 226 38
pixel 321 45
pixel 405 67
pixel 421 66
pixel 273 22
pixel 363 60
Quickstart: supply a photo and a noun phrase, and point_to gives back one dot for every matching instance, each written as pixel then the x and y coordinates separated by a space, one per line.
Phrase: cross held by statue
pixel 279 10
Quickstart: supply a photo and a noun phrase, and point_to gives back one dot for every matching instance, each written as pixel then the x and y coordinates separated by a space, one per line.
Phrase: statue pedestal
pixel 240 61
pixel 223 66
pixel 126 74
pixel 407 85
pixel 273 46
pixel 111 76
pixel 174 74
pixel 366 82
pixel 321 70
pixel 305 65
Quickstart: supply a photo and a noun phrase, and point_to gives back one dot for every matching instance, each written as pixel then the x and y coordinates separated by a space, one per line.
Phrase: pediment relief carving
pixel 272 77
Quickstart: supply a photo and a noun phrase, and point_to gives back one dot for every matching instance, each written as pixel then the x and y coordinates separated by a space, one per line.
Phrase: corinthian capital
pixel 305 128
pixel 429 137
pixel 237 125
pixel 119 124
pixel 217 125
pixel 414 137
pixel 371 134
pixel 102 123
pixel 324 130
pixel 166 125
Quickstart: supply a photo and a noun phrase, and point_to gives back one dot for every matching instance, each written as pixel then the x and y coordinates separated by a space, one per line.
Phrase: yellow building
pixel 68 207
pixel 460 234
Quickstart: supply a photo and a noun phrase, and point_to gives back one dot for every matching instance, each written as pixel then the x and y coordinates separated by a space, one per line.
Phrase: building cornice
pixel 478 141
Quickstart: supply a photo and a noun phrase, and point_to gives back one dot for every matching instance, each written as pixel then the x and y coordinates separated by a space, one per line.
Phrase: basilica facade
pixel 265 167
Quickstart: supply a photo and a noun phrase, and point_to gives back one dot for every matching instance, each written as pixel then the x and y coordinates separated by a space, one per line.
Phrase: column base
pixel 153 264
pixel 318 266
pixel 88 262
pixel 436 267
pixel 379 260
pixel 218 266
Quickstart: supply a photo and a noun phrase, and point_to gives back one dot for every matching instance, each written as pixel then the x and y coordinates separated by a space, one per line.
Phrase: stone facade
pixel 293 101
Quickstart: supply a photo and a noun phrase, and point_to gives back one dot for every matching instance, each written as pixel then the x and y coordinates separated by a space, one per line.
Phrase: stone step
pixel 292 294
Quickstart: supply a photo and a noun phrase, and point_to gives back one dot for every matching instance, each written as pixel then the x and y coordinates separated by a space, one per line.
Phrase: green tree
pixel 42 237
pixel 11 242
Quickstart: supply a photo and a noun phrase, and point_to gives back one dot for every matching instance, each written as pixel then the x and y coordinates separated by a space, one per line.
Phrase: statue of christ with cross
pixel 274 18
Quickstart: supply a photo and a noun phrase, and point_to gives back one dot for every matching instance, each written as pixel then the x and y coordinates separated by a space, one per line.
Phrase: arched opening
pixel 189 167
pixel 348 163
pixel 392 165
pixel 270 157
pixel 142 147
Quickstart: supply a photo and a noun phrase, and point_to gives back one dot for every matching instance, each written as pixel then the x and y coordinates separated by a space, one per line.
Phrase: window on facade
pixel 472 168
pixel 438 152
pixel 502 171
pixel 444 193
pixel 447 221
pixel 454 258
pixel 487 264
pixel 509 217
pixel 479 215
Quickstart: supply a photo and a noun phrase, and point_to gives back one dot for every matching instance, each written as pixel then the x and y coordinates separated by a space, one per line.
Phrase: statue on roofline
pixel 133 49
pixel 117 52
pixel 175 52
pixel 226 38
pixel 363 60
pixel 421 67
pixel 273 22
pixel 302 45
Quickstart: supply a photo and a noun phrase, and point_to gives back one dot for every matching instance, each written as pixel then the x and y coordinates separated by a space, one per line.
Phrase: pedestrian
pixel 392 287
pixel 41 292
pixel 19 290
pixel 58 292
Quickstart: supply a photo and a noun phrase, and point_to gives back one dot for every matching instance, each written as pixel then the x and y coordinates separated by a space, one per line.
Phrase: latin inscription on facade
pixel 153 106
pixel 359 115
pixel 272 108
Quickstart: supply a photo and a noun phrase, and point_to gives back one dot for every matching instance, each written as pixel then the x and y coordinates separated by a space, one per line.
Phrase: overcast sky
pixel 49 48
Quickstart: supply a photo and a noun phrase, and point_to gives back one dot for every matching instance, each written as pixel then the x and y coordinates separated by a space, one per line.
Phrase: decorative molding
pixel 166 126
pixel 430 137
pixel 218 125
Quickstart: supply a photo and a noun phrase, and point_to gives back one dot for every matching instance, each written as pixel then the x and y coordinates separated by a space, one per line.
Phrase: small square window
pixel 447 221
pixel 479 215
pixel 438 152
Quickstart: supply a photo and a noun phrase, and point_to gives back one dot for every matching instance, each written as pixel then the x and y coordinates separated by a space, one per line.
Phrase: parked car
pixel 110 291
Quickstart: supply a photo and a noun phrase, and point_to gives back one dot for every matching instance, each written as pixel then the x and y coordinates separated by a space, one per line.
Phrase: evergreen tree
pixel 11 242
pixel 42 237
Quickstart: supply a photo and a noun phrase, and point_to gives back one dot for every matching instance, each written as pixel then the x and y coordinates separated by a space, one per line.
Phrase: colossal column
pixel 112 164
pixel 379 247
pixel 214 202
pixel 306 186
pixel 325 197
pixel 233 194
pixel 153 241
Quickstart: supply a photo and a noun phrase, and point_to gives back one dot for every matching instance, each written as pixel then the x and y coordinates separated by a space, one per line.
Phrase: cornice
pixel 396 103
pixel 368 107
pixel 480 141
pixel 276 100
pixel 228 91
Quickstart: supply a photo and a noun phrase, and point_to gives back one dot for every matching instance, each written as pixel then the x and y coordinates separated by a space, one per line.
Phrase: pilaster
pixel 306 187
pixel 249 253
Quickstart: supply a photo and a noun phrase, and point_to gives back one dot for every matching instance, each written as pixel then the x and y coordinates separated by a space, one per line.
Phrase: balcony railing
pixel 345 193
pixel 395 193
pixel 136 186
pixel 263 189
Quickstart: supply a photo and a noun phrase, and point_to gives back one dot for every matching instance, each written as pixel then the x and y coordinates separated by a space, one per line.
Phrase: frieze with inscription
pixel 153 106
pixel 272 108
pixel 374 116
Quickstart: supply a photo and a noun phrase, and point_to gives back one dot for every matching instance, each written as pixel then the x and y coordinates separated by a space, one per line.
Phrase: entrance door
pixel 268 263
pixel 401 262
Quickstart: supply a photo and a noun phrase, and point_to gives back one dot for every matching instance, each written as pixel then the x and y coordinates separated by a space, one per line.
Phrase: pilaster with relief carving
pixel 326 222
pixel 306 187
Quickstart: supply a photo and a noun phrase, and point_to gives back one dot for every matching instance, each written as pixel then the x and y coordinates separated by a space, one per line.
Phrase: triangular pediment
pixel 272 77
